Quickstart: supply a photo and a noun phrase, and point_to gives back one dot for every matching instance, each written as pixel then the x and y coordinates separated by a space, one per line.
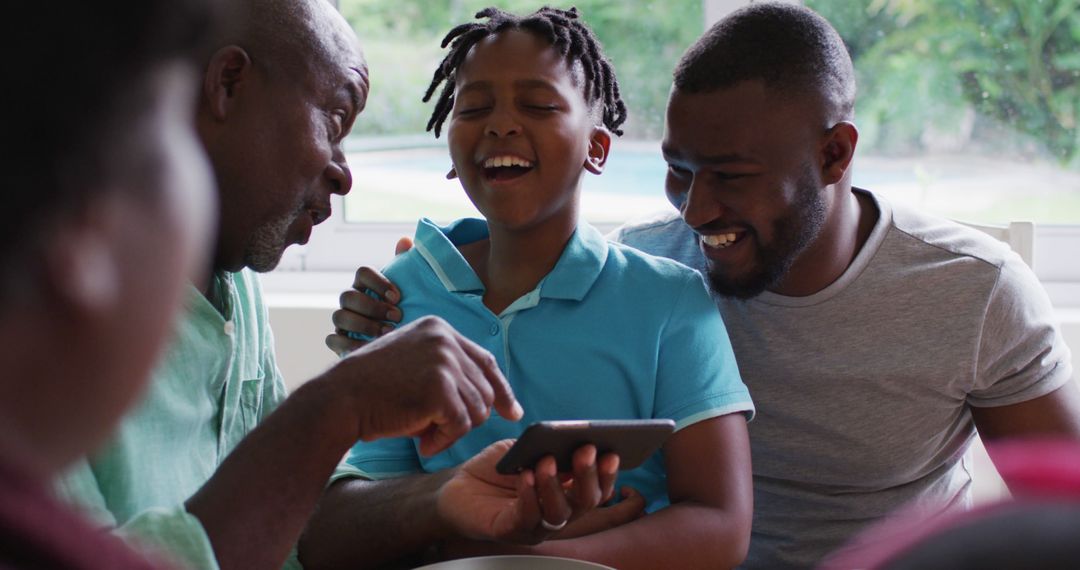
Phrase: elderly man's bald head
pixel 280 95
pixel 291 37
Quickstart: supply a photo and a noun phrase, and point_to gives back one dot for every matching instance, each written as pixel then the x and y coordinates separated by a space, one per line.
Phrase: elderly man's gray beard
pixel 268 243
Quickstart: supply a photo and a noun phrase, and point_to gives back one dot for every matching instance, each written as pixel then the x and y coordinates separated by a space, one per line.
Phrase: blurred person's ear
pixel 227 74
pixel 82 261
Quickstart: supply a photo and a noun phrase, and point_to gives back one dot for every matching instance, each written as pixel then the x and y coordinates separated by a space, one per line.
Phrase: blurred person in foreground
pixel 109 204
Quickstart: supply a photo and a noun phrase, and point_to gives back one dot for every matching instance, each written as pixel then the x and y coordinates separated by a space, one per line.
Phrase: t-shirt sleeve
pixel 697 377
pixel 1021 353
pixel 384 458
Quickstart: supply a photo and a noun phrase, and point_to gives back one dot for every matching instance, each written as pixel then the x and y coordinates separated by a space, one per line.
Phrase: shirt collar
pixel 437 246
pixel 578 267
pixel 573 275
pixel 221 292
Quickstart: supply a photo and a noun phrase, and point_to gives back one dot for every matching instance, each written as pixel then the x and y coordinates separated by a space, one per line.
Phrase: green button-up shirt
pixel 217 381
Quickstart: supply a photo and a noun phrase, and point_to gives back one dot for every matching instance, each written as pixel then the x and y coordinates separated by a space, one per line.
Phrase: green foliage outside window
pixel 643 38
pixel 997 76
pixel 975 76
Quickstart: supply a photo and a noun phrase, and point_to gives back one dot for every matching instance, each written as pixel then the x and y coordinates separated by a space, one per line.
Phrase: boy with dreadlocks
pixel 581 327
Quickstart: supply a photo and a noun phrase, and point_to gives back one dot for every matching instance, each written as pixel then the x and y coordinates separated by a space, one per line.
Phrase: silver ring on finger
pixel 552 527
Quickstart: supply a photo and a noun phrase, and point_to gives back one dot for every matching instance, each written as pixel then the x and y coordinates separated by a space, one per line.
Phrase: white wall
pixel 298 337
pixel 301 321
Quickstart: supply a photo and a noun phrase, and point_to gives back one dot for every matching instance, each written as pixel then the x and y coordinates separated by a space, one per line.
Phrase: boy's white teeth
pixel 501 161
pixel 718 240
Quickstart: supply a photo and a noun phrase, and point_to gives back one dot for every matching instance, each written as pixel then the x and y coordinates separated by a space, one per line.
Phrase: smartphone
pixel 633 440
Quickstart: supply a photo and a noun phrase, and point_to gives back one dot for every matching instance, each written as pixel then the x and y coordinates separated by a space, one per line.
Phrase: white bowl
pixel 515 563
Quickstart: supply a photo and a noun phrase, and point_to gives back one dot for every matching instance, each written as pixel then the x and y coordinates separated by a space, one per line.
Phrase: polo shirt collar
pixel 573 275
pixel 578 266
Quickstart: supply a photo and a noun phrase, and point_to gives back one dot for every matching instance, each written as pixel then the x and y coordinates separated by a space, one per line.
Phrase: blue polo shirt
pixel 610 333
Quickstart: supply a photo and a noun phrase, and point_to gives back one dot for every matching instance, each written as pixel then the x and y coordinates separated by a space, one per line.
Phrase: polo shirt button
pixel 230 328
pixel 494 330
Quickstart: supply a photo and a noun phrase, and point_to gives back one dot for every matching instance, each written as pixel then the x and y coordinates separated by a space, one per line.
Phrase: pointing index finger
pixel 505 402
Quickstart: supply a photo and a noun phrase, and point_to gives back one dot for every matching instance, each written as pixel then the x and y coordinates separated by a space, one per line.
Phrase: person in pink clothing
pixel 1035 528
pixel 108 207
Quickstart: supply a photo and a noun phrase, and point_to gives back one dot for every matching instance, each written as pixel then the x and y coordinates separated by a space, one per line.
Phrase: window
pixel 968 108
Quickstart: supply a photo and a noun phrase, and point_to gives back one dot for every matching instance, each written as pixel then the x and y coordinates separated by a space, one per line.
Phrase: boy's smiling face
pixel 521 131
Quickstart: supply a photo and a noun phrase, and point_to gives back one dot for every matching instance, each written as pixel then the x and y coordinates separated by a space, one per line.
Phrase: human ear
pixel 82 264
pixel 599 145
pixel 229 68
pixel 838 149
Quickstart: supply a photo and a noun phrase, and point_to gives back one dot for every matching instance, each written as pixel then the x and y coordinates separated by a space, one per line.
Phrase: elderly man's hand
pixel 425 381
pixel 368 309
pixel 481 504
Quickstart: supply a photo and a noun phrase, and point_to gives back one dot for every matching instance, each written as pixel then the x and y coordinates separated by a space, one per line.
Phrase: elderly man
pixel 874 339
pixel 216 465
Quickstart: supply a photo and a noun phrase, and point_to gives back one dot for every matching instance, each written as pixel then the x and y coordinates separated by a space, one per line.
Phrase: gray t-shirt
pixel 864 389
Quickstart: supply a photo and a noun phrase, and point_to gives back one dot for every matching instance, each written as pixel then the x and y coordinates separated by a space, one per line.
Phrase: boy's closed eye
pixel 467 111
pixel 541 107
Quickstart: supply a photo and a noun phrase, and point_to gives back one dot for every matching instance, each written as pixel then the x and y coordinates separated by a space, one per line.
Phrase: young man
pixel 874 339
pixel 189 470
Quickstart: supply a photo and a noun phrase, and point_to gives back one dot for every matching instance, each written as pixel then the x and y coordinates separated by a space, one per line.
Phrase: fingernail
pixel 517 410
pixel 393 315
pixel 386 329
pixel 391 295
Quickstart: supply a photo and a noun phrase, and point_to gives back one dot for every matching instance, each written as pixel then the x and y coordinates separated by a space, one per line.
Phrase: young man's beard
pixel 792 234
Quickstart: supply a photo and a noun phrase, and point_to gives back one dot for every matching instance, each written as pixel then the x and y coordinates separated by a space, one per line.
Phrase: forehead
pixel 333 57
pixel 340 44
pixel 746 119
pixel 517 54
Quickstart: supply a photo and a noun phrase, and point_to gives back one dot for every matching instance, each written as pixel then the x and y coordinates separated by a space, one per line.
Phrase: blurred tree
pixel 926 67
pixel 643 38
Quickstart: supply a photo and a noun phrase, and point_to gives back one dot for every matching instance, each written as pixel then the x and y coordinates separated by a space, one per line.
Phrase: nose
pixel 502 123
pixel 339 174
pixel 700 206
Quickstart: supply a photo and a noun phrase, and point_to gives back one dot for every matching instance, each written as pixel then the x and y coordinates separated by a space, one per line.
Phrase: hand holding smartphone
pixel 632 440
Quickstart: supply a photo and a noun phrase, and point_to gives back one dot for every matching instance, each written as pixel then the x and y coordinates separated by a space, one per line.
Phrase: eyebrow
pixel 729 158
pixel 354 91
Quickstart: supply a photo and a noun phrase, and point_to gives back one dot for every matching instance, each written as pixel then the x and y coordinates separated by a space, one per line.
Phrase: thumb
pixel 404 244
pixel 632 505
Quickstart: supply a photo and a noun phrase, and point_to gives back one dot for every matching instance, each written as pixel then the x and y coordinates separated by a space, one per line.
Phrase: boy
pixel 532 104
